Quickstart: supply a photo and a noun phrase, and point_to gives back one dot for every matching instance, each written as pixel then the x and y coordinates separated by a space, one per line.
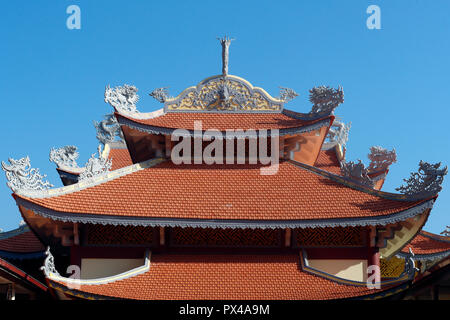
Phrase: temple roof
pixel 17 273
pixel 20 240
pixel 283 121
pixel 328 161
pixel 211 277
pixel 426 243
pixel 159 192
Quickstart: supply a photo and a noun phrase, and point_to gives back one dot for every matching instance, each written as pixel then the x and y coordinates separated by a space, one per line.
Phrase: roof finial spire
pixel 225 42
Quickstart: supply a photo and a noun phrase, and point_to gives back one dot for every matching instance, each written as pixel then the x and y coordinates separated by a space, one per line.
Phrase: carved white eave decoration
pixel 410 267
pixel 337 135
pixel 108 130
pixel 49 264
pixel 122 98
pixel 381 159
pixel 357 172
pixel 65 157
pixel 21 177
pixel 426 182
pixel 96 166
pixel 52 274
pixel 325 99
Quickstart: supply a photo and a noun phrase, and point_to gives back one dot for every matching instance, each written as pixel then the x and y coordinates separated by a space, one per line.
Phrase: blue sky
pixel 396 80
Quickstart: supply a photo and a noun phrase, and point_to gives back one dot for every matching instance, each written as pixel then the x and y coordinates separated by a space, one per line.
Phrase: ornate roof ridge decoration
pixel 446 232
pixel 160 94
pixel 96 166
pixel 357 172
pixel 381 159
pixel 21 177
pixel 233 224
pixel 325 99
pixel 108 130
pixel 337 134
pixel 97 180
pixel 98 281
pixel 287 94
pixel 65 156
pixel 427 181
pixel 122 98
pixel 49 264
pixel 225 94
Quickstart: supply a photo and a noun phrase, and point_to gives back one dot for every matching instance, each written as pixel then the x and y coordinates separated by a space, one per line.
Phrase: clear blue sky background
pixel 396 80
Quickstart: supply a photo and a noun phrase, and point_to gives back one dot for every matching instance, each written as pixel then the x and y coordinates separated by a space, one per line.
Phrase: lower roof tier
pixel 162 190
pixel 221 277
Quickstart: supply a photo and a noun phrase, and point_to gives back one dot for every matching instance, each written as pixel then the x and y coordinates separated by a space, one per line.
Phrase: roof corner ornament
pixel 21 177
pixel 65 156
pixel 410 267
pixel 225 42
pixel 381 159
pixel 122 98
pixel 160 94
pixel 108 130
pixel 325 99
pixel 49 264
pixel 338 133
pixel 357 172
pixel 427 181
pixel 287 94
pixel 446 232
pixel 96 166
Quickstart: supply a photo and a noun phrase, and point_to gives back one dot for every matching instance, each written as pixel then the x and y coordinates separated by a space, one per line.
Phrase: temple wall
pixel 100 268
pixel 354 269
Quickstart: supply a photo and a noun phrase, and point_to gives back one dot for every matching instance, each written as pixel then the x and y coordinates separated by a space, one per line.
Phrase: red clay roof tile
pixel 226 277
pixel 428 243
pixel 224 192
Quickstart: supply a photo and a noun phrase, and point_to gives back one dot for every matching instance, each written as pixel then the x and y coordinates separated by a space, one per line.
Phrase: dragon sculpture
pixel 426 182
pixel 122 98
pixel 65 156
pixel 21 176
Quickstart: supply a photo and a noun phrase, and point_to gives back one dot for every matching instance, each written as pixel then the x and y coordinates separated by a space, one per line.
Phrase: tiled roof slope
pixel 223 121
pixel 225 277
pixel 428 243
pixel 328 161
pixel 224 192
pixel 21 240
pixel 120 158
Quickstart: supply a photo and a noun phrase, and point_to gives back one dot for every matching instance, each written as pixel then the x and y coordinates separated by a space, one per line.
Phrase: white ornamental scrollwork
pixel 160 94
pixel 426 182
pixel 287 94
pixel 65 156
pixel 122 98
pixel 338 133
pixel 49 264
pixel 410 267
pixel 325 99
pixel 381 158
pixel 96 166
pixel 357 172
pixel 108 130
pixel 22 177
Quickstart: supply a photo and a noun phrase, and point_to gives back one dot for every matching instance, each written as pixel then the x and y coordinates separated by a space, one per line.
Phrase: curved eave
pixel 207 223
pixel 20 274
pixel 314 125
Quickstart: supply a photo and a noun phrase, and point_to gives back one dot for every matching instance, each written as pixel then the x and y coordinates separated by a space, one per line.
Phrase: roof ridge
pixel 98 180
pixel 434 236
pixel 357 186
pixel 14 232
